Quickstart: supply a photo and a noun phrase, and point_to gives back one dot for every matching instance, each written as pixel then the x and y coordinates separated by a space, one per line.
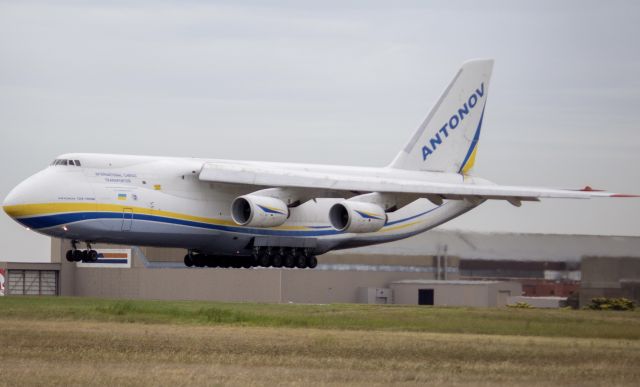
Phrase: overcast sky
pixel 329 82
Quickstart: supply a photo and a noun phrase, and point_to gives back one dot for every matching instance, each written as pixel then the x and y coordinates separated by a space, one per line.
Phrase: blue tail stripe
pixel 474 142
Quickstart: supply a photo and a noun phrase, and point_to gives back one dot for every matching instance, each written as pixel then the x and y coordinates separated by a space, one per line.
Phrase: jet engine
pixel 358 217
pixel 259 211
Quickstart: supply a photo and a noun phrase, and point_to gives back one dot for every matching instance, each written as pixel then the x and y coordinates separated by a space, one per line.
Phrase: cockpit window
pixel 66 162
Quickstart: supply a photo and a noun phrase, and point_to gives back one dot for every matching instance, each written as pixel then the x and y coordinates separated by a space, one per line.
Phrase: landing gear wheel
pixel 188 262
pixel 225 262
pixel 289 261
pixel 247 262
pixel 254 259
pixel 198 260
pixel 70 255
pixel 312 262
pixel 77 255
pixel 85 256
pixel 265 260
pixel 92 256
pixel 301 262
pixel 277 260
pixel 214 261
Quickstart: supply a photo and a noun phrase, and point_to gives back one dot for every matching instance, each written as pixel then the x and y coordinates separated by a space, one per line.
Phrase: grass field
pixel 81 341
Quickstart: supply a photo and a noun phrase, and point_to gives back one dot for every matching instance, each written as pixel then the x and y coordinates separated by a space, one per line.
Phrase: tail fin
pixel 447 140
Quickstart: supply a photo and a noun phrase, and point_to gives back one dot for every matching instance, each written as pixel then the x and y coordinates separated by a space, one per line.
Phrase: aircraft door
pixel 127 219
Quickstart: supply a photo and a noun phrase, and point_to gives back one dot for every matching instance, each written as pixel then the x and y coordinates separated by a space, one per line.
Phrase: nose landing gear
pixel 76 255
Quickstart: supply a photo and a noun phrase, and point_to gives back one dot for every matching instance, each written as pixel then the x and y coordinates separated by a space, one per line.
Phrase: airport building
pixel 603 277
pixel 436 268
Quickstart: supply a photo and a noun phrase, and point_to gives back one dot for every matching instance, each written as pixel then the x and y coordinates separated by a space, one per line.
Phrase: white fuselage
pixel 160 201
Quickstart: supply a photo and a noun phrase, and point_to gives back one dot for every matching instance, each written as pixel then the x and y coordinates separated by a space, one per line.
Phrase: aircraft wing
pixel 272 177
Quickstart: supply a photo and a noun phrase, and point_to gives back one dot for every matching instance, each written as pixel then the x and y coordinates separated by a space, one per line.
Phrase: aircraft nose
pixel 32 190
pixel 13 199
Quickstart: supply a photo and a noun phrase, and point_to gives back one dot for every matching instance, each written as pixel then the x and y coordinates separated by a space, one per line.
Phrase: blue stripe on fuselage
pixel 47 221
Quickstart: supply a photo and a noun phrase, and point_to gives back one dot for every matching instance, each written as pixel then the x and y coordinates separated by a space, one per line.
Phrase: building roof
pixel 508 246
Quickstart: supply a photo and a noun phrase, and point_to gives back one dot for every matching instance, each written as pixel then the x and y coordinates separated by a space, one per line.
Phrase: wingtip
pixel 611 195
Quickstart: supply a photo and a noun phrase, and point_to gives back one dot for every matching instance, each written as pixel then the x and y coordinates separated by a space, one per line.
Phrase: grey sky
pixel 330 83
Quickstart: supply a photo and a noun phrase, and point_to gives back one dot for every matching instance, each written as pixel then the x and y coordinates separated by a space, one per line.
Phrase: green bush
pixel 604 303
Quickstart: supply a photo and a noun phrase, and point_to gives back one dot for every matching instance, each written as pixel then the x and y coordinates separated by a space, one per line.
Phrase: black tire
pixel 289 261
pixel 254 259
pixel 188 262
pixel 77 255
pixel 247 262
pixel 223 262
pixel 92 256
pixel 265 260
pixel 236 262
pixel 69 255
pixel 85 256
pixel 301 262
pixel 198 260
pixel 312 262
pixel 277 260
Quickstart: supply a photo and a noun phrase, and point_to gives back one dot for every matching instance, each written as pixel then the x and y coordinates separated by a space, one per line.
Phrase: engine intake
pixel 259 211
pixel 357 217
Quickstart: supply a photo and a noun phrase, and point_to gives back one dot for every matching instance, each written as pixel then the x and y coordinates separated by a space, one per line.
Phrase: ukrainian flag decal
pixel 122 196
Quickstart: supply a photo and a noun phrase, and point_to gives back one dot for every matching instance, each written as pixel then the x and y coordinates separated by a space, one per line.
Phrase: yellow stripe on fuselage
pixel 393 228
pixel 42 209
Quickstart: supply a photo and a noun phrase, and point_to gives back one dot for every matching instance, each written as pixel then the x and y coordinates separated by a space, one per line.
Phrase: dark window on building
pixel 425 296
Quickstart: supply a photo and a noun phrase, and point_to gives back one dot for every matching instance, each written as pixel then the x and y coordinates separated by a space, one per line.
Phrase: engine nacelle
pixel 358 217
pixel 259 211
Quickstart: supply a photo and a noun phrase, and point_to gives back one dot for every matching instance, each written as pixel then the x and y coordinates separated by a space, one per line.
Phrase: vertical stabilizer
pixel 447 140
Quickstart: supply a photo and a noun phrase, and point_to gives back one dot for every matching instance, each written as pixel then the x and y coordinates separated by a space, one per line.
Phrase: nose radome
pixel 29 191
pixel 12 200
pixel 44 187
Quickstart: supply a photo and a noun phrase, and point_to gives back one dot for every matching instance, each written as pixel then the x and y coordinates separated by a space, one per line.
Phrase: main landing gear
pixel 261 257
pixel 75 255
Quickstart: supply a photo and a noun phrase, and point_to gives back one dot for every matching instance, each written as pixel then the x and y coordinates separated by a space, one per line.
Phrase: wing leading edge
pixel 476 189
